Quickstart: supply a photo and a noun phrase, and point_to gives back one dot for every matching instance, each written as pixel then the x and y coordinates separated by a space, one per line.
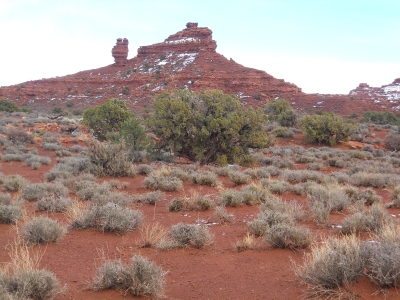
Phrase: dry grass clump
pixel 21 278
pixel 330 267
pixel 204 178
pixel 42 230
pixel 162 179
pixel 248 242
pixel 152 234
pixel 238 177
pixel 149 198
pixel 54 204
pixel 110 217
pixel 224 171
pixel 190 234
pixel 35 191
pixel 14 183
pixel 140 277
pixel 223 215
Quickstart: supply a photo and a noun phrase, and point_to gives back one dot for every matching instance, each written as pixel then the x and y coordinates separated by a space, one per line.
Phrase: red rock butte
pixel 186 59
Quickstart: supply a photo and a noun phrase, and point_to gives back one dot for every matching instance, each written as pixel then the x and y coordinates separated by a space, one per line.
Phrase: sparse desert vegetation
pixel 320 217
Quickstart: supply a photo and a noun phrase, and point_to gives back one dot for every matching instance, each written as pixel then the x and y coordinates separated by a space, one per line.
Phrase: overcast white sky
pixel 323 46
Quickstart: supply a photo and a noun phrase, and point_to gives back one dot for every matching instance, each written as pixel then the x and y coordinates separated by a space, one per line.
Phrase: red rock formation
pixel 186 59
pixel 120 52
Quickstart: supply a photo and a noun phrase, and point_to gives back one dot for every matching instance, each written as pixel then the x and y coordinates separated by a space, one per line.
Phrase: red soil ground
pixel 218 271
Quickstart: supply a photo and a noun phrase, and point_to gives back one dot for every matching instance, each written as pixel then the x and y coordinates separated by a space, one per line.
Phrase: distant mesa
pixel 120 52
pixel 187 60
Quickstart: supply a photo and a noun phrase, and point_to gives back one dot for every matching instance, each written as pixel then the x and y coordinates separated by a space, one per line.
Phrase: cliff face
pixel 186 59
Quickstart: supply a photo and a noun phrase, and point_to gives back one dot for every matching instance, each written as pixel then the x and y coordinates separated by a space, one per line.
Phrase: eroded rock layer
pixel 186 59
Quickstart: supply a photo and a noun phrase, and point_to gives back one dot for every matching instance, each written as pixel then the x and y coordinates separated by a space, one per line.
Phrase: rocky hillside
pixel 186 59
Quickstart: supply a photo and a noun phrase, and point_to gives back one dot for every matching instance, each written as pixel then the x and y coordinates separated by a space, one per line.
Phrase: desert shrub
pixel 135 137
pixel 195 202
pixel 276 186
pixel 36 161
pixel 380 117
pixel 204 178
pixel 282 132
pixel 19 135
pixel 341 177
pixel 14 183
pixel 377 180
pixel 373 220
pixel 280 110
pixel 267 219
pixel 31 284
pixel 145 169
pixel 186 234
pixel 254 194
pixel 5 199
pixel 140 277
pixel 331 265
pixel 223 215
pixel 297 176
pixel 120 199
pixel 323 200
pixel 206 126
pixel 12 157
pixel 67 168
pixel 382 262
pixel 238 177
pixel 110 217
pixel 149 198
pixel 392 141
pixel 162 179
pixel 88 190
pixel 224 171
pixel 326 128
pixel 36 191
pixel 106 118
pixel 107 159
pixel 77 148
pixel 9 106
pixel 288 236
pixel 271 170
pixel 231 198
pixel 51 146
pixel 10 214
pixel 53 204
pixel 42 230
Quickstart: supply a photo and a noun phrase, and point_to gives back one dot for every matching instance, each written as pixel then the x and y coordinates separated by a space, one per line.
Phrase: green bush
pixel 140 278
pixel 326 128
pixel 281 111
pixel 9 106
pixel 106 118
pixel 381 117
pixel 135 137
pixel 205 126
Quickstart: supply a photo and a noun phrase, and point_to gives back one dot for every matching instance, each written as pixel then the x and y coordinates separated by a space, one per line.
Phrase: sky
pixel 322 46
